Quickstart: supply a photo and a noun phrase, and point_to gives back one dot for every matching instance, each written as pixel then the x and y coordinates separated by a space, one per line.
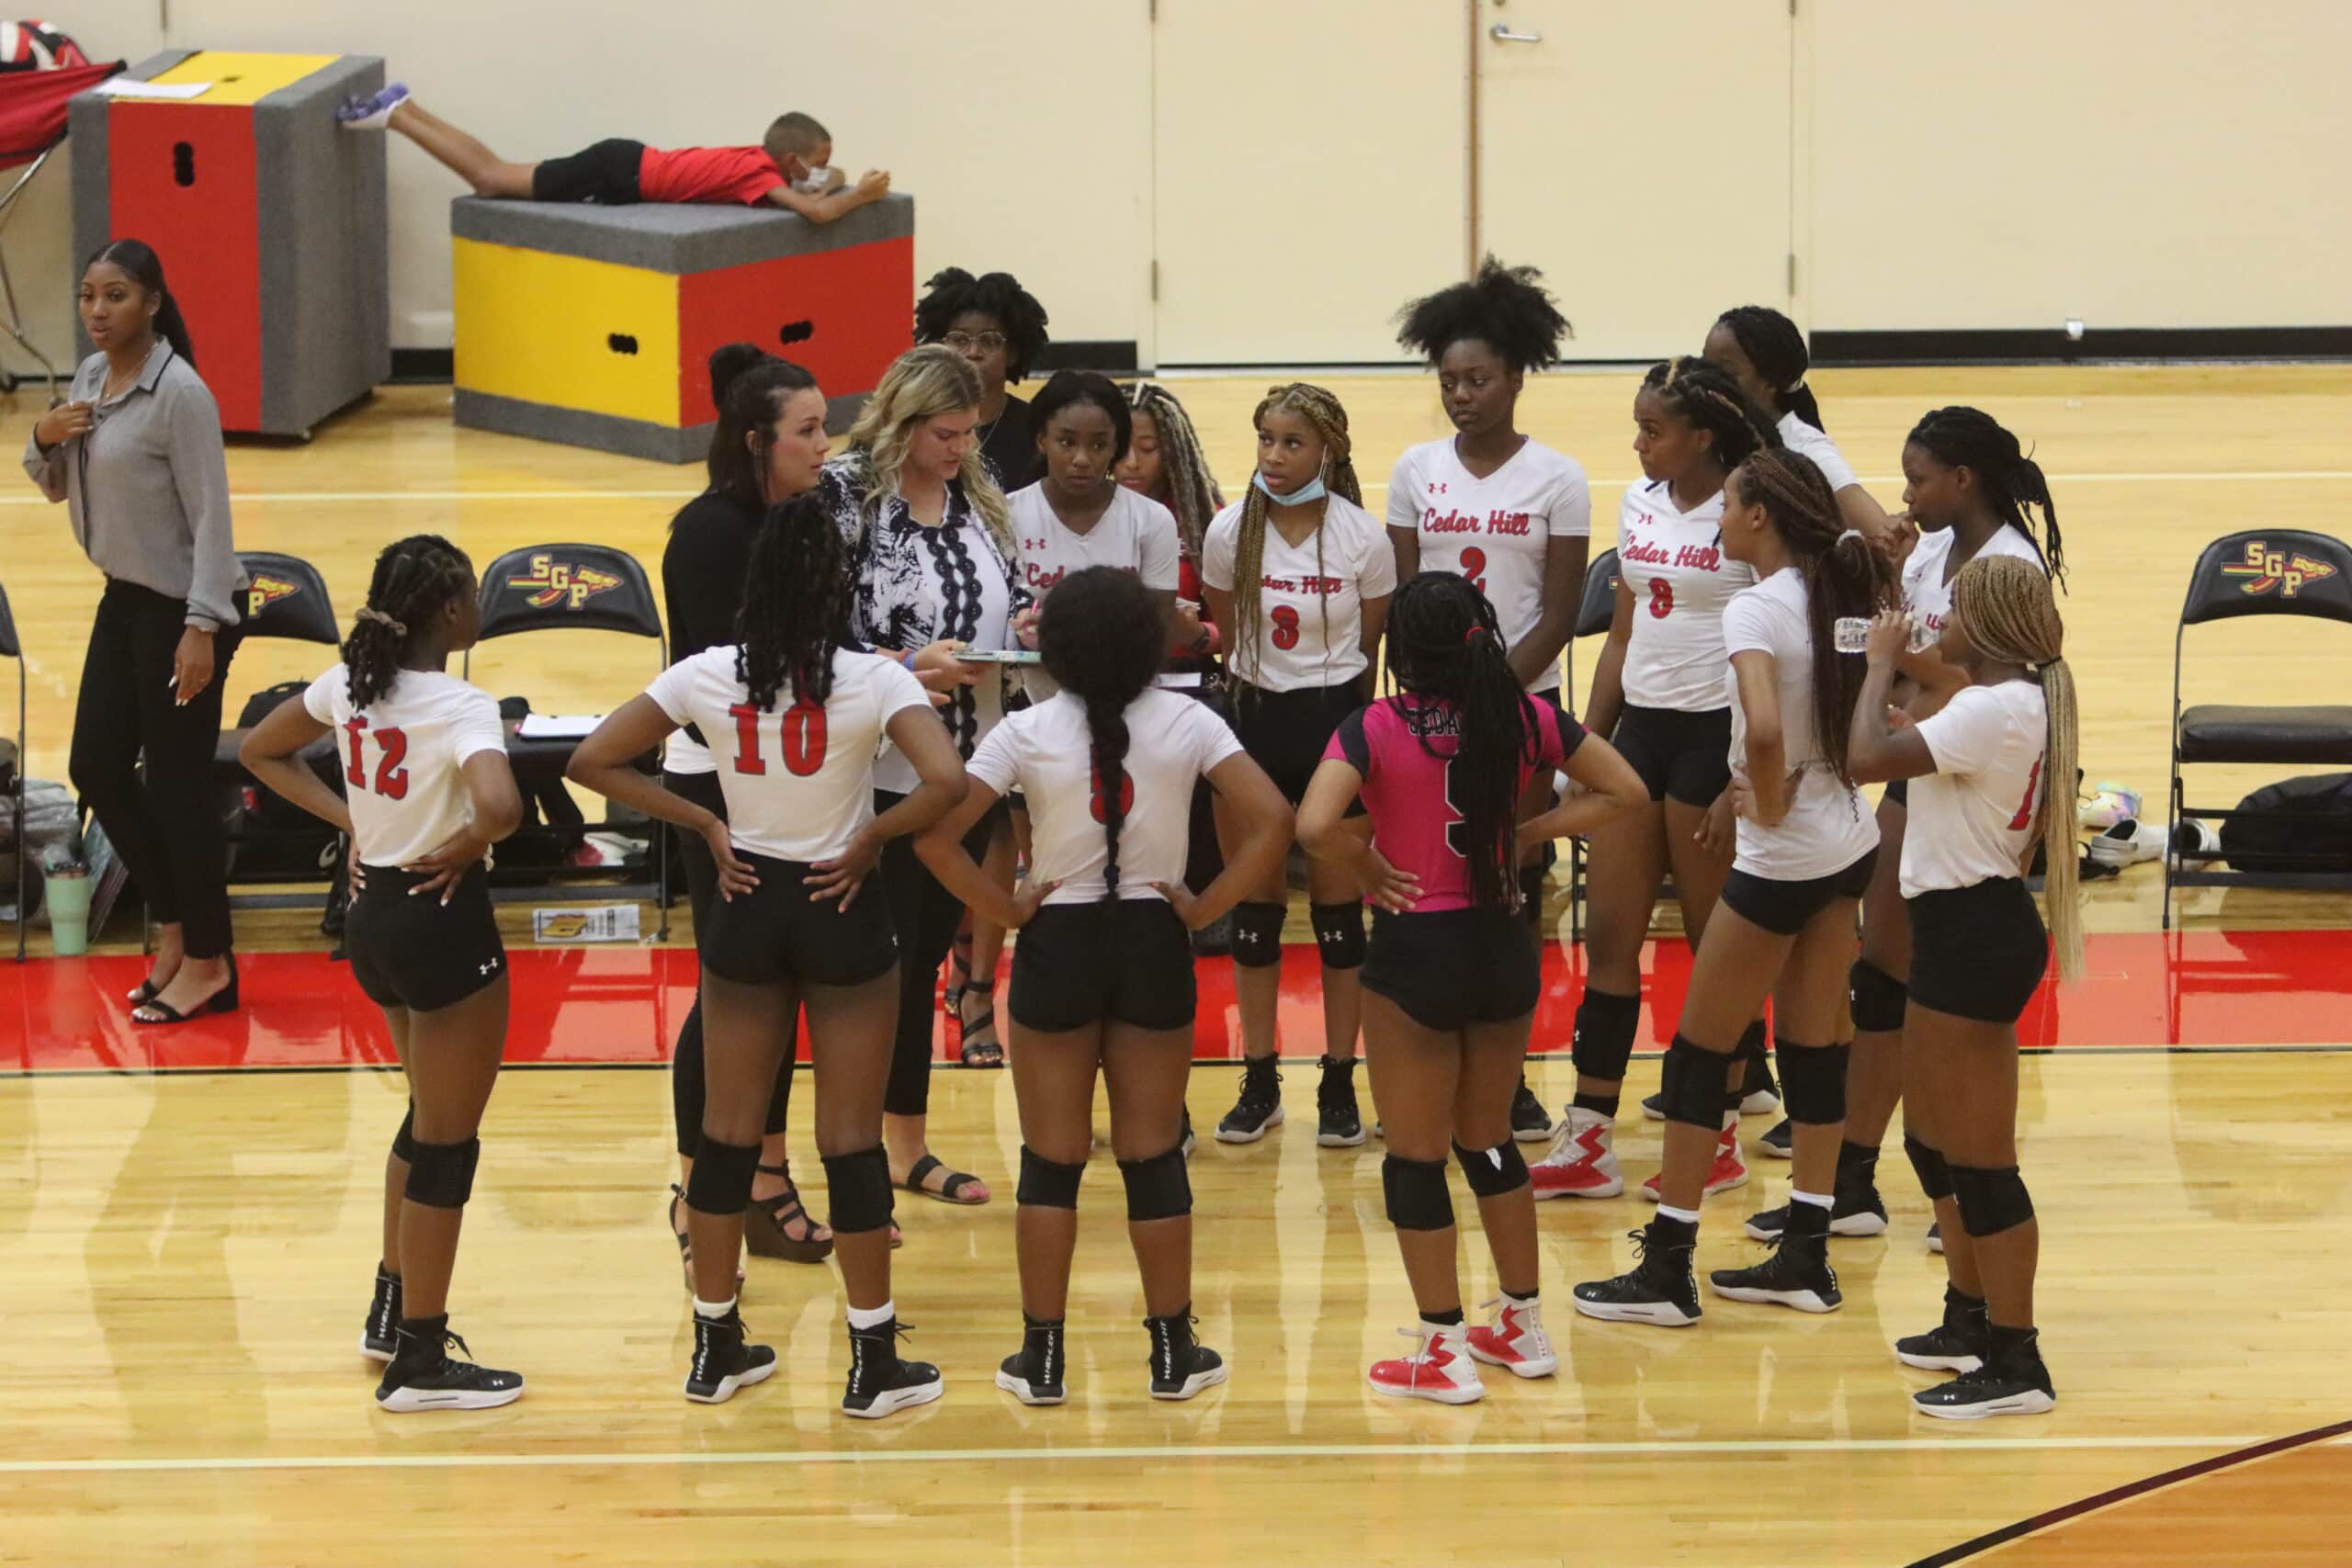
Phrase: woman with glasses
pixel 1000 327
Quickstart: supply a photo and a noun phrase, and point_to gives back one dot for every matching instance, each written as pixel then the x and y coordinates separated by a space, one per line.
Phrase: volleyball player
pixel 1784 925
pixel 1501 509
pixel 1449 985
pixel 1988 770
pixel 1102 973
pixel 1658 694
pixel 428 790
pixel 1299 574
pixel 1968 491
pixel 1765 356
pixel 799 722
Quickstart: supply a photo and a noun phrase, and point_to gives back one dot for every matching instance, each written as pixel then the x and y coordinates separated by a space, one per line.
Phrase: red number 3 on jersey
pixel 1285 619
pixel 1661 597
pixel 391 777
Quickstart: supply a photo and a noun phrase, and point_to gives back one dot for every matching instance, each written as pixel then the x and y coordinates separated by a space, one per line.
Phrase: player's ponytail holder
pixel 1850 533
pixel 1470 638
pixel 369 612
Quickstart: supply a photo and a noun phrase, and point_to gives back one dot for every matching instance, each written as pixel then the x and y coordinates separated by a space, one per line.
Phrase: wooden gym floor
pixel 186 1251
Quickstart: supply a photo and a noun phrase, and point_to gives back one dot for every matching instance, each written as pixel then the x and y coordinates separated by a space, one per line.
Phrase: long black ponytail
pixel 1961 437
pixel 795 605
pixel 1777 349
pixel 138 258
pixel 1101 639
pixel 414 579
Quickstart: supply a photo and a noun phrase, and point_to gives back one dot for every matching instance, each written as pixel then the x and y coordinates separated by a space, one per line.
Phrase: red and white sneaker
pixel 1581 1163
pixel 1441 1369
pixel 1729 1170
pixel 1515 1341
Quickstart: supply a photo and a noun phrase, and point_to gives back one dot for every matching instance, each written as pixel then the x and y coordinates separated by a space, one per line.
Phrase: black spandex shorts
pixel 1784 908
pixel 1977 951
pixel 1681 756
pixel 775 932
pixel 1285 732
pixel 1078 964
pixel 418 953
pixel 1452 968
pixel 604 174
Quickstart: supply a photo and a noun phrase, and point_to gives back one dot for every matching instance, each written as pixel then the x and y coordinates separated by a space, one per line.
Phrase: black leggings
pixel 925 916
pixel 702 891
pixel 166 828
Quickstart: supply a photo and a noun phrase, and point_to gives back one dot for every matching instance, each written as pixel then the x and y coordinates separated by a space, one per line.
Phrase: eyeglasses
pixel 964 342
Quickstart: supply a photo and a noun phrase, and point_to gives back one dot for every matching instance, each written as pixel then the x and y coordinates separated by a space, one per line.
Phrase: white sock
pixel 1818 1200
pixel 1731 1121
pixel 872 1318
pixel 1668 1212
pixel 715 1310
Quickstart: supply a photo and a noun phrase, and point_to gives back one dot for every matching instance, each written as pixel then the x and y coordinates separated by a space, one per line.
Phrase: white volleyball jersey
pixel 1971 820
pixel 1493 531
pixel 1674 562
pixel 798 777
pixel 1048 753
pixel 1310 607
pixel 1136 534
pixel 1805 441
pixel 402 758
pixel 1927 584
pixel 1829 827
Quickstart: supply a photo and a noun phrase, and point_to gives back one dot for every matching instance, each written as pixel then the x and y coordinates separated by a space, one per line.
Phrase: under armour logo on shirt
pixel 486 968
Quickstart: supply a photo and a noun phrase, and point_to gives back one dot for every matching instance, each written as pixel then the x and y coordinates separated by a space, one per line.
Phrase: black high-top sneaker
pixel 380 1338
pixel 1339 1125
pixel 1959 1344
pixel 2012 1382
pixel 1530 1123
pixel 423 1375
pixel 1180 1365
pixel 1797 1274
pixel 1259 1109
pixel 1855 1210
pixel 723 1362
pixel 1035 1376
pixel 1658 1289
pixel 879 1383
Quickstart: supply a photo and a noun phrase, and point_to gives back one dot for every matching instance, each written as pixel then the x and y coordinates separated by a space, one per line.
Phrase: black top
pixel 1010 446
pixel 703 571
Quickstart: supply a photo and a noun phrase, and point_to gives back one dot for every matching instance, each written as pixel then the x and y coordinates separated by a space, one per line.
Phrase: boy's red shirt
pixel 714 175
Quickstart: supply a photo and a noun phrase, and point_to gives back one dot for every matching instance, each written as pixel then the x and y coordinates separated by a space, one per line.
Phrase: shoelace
pixel 1259 1093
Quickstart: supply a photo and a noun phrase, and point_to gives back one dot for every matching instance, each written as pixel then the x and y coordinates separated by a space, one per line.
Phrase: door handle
pixel 1500 32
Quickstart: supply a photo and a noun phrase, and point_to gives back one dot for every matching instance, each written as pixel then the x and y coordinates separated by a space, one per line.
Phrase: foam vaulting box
pixel 269 218
pixel 595 325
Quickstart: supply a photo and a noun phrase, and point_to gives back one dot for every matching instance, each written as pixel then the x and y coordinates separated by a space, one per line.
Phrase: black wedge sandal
pixel 766 1221
pixel 686 1242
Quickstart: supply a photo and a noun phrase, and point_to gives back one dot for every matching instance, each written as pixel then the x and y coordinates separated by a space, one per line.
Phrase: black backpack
pixel 270 837
pixel 2300 824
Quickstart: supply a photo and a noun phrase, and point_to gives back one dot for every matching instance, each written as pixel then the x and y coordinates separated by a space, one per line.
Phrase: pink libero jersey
pixel 1407 788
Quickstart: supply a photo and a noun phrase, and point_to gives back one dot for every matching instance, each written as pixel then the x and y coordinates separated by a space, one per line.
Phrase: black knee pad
pixel 859 1186
pixel 1604 1035
pixel 441 1176
pixel 1935 1176
pixel 1258 935
pixel 1531 879
pixel 721 1180
pixel 1158 1188
pixel 1813 1081
pixel 1990 1201
pixel 1417 1194
pixel 1876 997
pixel 1493 1172
pixel 1048 1183
pixel 404 1140
pixel 1690 1085
pixel 1338 933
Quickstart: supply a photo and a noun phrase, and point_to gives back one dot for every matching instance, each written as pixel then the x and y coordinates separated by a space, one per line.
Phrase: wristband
pixel 907 662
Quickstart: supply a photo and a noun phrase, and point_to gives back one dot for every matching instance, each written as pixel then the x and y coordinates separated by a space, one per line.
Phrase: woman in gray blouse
pixel 135 452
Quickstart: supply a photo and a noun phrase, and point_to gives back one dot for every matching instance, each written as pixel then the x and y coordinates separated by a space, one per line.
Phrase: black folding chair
pixel 287 599
pixel 1593 618
pixel 11 649
pixel 573 588
pixel 2263 571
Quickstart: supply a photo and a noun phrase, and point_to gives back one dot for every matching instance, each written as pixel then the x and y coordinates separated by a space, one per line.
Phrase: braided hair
pixel 2008 612
pixel 1446 646
pixel 1506 308
pixel 1321 410
pixel 1099 637
pixel 796 603
pixel 748 387
pixel 1192 495
pixel 1960 437
pixel 952 292
pixel 1777 349
pixel 1702 397
pixel 1845 573
pixel 414 580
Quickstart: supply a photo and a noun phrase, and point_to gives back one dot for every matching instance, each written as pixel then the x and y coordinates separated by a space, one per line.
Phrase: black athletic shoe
pixel 1779 1142
pixel 1758 1095
pixel 1530 1123
pixel 379 1339
pixel 1035 1376
pixel 1856 1211
pixel 1259 1109
pixel 1654 1108
pixel 879 1383
pixel 423 1375
pixel 1214 939
pixel 1959 1344
pixel 2014 1384
pixel 1187 1142
pixel 1936 1238
pixel 1180 1365
pixel 1658 1289
pixel 1337 1123
pixel 723 1362
pixel 1797 1275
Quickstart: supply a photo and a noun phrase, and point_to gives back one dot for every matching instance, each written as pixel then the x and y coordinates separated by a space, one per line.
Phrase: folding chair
pixel 2263 571
pixel 11 649
pixel 287 599
pixel 1593 618
pixel 32 126
pixel 573 588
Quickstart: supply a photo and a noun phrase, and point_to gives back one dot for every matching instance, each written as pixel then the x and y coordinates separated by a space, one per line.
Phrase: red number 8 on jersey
pixel 1126 795
pixel 1661 597
pixel 1285 619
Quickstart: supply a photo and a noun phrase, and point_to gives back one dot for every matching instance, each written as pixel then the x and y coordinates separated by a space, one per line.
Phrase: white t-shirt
pixel 1048 753
pixel 1927 590
pixel 798 779
pixel 1971 820
pixel 1295 599
pixel 1804 440
pixel 1829 827
pixel 1493 531
pixel 402 758
pixel 1674 562
pixel 1136 535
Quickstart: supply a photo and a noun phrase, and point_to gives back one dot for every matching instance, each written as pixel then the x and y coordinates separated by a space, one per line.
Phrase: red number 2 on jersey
pixel 1285 619
pixel 1474 566
pixel 1661 597
pixel 391 777
pixel 2024 818
pixel 804 739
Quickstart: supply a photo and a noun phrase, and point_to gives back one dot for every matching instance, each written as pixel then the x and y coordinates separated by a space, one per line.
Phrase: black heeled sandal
pixel 686 1242
pixel 765 1219
pixel 223 1001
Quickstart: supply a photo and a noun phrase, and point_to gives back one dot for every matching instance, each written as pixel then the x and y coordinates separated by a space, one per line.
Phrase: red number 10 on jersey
pixel 804 739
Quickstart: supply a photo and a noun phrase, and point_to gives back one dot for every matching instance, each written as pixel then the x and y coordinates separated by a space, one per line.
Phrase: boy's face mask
pixel 812 183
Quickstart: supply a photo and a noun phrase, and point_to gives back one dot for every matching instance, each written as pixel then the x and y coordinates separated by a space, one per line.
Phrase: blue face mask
pixel 1306 494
